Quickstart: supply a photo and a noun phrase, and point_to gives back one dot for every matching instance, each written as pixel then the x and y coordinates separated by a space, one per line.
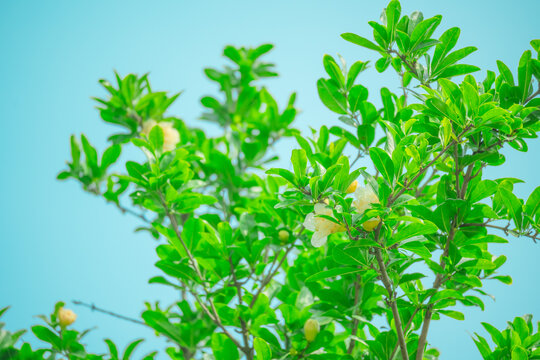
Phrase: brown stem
pixel 243 324
pixel 270 276
pixel 391 299
pixel 212 312
pixel 409 323
pixel 108 312
pixel 355 321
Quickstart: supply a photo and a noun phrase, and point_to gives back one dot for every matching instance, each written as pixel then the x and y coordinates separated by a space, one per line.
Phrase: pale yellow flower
pixel 364 197
pixel 311 329
pixel 66 317
pixel 171 136
pixel 321 227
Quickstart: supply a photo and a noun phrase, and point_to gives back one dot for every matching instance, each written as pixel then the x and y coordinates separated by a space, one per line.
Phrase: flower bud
pixel 311 329
pixel 66 317
pixel 283 235
pixel 371 224
pixel 352 187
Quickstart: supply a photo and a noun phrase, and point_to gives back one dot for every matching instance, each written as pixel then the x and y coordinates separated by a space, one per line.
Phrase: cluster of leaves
pixel 62 342
pixel 518 341
pixel 234 242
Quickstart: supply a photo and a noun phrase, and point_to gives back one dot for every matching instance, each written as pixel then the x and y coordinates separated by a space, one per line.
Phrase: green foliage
pixel 254 252
pixel 518 341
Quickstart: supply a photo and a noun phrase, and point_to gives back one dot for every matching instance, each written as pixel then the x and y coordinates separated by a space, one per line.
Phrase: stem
pixel 355 321
pixel 391 299
pixel 212 312
pixel 409 323
pixel 439 277
pixel 270 275
pixel 108 312
pixel 533 235
pixel 245 331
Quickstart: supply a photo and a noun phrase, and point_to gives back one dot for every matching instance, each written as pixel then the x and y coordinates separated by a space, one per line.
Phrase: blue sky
pixel 59 243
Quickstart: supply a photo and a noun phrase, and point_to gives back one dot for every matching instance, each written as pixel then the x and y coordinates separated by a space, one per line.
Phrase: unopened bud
pixel 311 329
pixel 283 235
pixel 66 317
pixel 352 187
pixel 371 224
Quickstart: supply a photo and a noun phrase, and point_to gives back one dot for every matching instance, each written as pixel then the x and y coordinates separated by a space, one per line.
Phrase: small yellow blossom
pixel 171 136
pixel 283 235
pixel 66 317
pixel 321 227
pixel 311 329
pixel 352 187
pixel 364 197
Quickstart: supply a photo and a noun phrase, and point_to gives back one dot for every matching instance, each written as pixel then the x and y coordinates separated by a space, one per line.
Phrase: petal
pixel 319 239
pixel 309 222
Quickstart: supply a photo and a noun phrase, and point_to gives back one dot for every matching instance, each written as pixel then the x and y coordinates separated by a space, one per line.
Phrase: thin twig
pixel 108 312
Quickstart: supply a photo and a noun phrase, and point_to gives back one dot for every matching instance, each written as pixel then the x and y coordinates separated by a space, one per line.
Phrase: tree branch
pixel 108 312
pixel 212 312
pixel 392 301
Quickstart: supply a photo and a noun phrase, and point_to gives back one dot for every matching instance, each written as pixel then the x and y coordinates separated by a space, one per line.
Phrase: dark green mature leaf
pixel 45 334
pixel 332 273
pixel 383 163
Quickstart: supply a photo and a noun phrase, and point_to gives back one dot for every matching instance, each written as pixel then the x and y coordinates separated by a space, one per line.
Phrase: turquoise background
pixel 59 243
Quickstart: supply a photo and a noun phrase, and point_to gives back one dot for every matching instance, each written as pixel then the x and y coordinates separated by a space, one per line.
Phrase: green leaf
pixel 262 349
pixel 156 137
pixel 75 151
pixel 332 273
pixel 505 279
pixel 453 314
pixel 410 277
pixel 532 206
pixel 110 156
pixel 414 229
pixel 357 95
pixel 355 69
pixel 91 156
pixel 483 189
pixel 519 353
pixel 130 348
pixel 358 40
pixel 525 74
pixel 513 205
pixel 456 70
pixel 383 163
pixel 454 57
pixel 333 70
pixel 418 248
pixel 286 174
pixel 45 334
pixel 299 161
pixel 223 347
pixel 331 97
pixel 393 11
pixel 505 72
pixel 447 42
